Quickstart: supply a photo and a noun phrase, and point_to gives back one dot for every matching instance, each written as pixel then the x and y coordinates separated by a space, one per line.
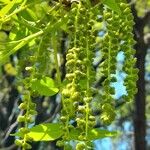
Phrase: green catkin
pixel 83 110
pixel 109 49
pixel 118 37
pixel 79 66
pixel 80 69
pixel 127 48
pixel 27 106
pixel 29 112
pixel 71 93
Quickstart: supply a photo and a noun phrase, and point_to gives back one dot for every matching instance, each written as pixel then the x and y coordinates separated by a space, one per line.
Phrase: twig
pixel 9 148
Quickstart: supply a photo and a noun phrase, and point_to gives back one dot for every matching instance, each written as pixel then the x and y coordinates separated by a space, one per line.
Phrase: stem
pixel 109 48
pixel 76 24
pixel 87 88
pixel 54 40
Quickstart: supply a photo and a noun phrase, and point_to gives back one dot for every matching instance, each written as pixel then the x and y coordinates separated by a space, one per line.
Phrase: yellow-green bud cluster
pixel 83 26
pixel 22 144
pixel 110 47
pixel 28 108
pixel 127 47
pixel 80 72
pixel 118 37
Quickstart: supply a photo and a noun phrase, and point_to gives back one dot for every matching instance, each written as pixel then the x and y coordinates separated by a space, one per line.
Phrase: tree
pixel 140 101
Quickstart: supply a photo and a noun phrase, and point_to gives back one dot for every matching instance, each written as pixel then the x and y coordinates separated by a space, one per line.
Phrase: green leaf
pixel 32 14
pixel 5 1
pixel 5 56
pixel 93 134
pixel 112 4
pixel 21 43
pixel 74 133
pixel 43 132
pixel 46 132
pixel 44 86
pixel 8 1
pixel 6 8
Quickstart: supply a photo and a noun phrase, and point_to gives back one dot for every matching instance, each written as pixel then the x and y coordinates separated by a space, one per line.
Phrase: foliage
pixel 142 7
pixel 32 51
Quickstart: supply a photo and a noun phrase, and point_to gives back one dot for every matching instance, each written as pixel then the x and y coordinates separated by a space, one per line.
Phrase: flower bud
pixel 80 146
pixel 23 106
pixel 21 118
pixel 18 142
